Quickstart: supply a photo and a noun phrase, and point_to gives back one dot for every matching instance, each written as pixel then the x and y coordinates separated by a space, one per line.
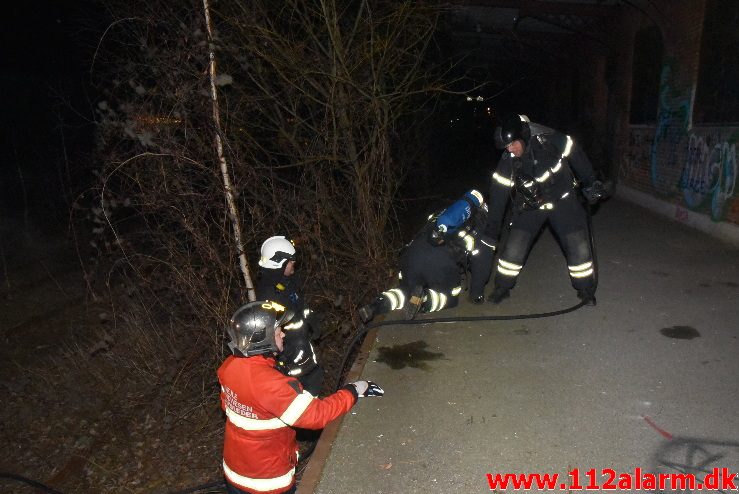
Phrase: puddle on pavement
pixel 412 354
pixel 680 332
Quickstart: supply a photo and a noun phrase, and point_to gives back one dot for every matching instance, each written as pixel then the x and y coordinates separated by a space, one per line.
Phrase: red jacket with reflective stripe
pixel 261 405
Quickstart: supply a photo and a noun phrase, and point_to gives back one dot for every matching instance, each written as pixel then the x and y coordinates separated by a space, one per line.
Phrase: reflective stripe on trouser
pixel 508 268
pixel 395 299
pixel 436 300
pixel 253 484
pixel 582 270
pixel 516 248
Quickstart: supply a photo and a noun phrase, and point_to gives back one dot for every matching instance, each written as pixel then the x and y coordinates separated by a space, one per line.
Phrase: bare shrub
pixel 317 101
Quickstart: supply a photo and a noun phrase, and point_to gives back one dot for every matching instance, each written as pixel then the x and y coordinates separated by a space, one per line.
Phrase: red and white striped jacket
pixel 261 404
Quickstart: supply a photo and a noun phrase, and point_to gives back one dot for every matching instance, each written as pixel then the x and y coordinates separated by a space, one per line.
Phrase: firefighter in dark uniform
pixel 541 170
pixel 431 267
pixel 278 281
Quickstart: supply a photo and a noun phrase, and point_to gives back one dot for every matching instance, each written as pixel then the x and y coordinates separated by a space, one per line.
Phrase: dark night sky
pixel 46 54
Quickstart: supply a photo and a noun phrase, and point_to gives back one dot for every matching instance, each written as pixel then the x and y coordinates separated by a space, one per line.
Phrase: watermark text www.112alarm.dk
pixel 718 479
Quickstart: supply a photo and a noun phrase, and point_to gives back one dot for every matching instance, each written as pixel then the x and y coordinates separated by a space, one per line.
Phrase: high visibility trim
pixel 438 300
pixel 502 180
pixel 581 267
pixel 306 312
pixel 456 291
pixel 295 372
pixel 259 484
pixel 249 424
pixel 298 357
pixel 509 265
pixel 543 177
pixel 297 407
pixel 400 275
pixel 434 300
pixel 294 325
pixel 396 298
pixel 557 166
pixel 477 195
pixel 547 205
pixel 492 246
pixel 507 272
pixel 568 147
pixel 565 195
pixel 581 274
pixel 469 241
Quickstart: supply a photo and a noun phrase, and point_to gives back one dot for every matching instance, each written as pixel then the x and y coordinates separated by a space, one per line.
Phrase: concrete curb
pixel 314 469
pixel 727 232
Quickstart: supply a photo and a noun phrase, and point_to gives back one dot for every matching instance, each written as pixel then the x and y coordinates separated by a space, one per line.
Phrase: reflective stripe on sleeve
pixel 294 325
pixel 297 407
pixel 253 424
pixel 259 484
pixel 469 241
pixel 568 147
pixel 502 180
pixel 456 291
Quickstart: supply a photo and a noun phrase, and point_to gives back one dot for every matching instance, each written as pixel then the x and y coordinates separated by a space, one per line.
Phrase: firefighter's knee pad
pixel 517 246
pixel 577 247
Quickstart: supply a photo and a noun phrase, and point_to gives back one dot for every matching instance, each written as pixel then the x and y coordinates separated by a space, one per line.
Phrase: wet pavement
pixel 648 378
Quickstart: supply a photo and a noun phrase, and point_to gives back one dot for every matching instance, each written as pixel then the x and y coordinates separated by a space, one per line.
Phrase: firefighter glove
pixel 367 388
pixel 595 192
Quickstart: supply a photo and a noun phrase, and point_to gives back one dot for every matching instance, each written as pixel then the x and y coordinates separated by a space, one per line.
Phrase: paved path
pixel 602 387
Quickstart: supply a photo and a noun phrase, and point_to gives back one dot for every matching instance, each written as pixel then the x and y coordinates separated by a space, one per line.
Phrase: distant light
pixel 479 98
pixel 469 98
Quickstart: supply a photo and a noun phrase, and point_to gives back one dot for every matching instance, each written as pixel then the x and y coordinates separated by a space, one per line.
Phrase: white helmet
pixel 276 251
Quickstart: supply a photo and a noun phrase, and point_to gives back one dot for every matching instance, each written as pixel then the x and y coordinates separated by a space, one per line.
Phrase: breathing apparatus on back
pixel 450 220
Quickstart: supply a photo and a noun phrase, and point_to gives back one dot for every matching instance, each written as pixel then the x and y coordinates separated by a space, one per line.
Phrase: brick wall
pixel 692 167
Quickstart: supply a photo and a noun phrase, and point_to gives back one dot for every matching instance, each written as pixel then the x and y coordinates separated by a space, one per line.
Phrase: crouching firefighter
pixel 278 280
pixel 541 170
pixel 262 404
pixel 431 266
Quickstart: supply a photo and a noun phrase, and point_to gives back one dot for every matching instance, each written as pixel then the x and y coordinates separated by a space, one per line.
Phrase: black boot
pixel 499 294
pixel 414 302
pixel 366 313
pixel 587 295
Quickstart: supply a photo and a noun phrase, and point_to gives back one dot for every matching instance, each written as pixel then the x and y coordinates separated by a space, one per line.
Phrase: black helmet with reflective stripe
pixel 252 327
pixel 512 128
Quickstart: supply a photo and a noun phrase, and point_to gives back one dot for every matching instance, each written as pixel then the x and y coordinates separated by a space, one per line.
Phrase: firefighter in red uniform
pixel 263 405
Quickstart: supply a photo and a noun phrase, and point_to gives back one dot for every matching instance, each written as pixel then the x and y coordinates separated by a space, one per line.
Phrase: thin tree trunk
pixel 227 187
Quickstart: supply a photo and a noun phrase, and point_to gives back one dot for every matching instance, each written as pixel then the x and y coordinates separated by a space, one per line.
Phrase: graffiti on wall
pixel 695 167
pixel 670 133
pixel 709 174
